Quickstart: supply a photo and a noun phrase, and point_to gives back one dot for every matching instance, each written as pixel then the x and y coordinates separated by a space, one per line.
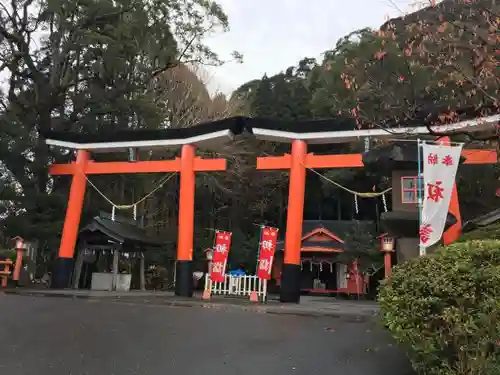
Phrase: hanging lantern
pixel 387 244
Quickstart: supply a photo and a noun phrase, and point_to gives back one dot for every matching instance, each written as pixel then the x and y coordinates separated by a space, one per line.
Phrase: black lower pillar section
pixel 61 273
pixel 290 283
pixel 184 278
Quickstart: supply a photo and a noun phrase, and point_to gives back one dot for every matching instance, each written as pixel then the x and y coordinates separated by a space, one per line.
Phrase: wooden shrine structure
pixel 211 135
pixel 323 270
pixel 106 240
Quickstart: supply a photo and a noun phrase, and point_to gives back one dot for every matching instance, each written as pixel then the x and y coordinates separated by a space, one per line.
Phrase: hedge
pixel 444 309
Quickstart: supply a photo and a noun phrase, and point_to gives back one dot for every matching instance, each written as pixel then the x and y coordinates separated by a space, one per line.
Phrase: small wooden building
pixel 111 251
pixel 399 161
pixel 324 270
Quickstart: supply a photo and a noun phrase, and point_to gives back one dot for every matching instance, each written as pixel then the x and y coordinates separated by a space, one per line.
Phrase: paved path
pixel 309 305
pixel 58 336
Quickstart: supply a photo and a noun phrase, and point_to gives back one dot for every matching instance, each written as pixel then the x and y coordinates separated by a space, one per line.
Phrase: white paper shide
pixel 440 165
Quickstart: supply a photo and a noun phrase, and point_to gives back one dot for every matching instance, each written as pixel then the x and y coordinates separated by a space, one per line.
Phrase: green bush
pixel 444 309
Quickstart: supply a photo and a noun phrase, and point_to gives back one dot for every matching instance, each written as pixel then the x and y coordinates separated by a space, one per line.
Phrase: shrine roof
pixel 339 129
pixel 336 230
pixel 482 221
pixel 121 230
pixel 395 155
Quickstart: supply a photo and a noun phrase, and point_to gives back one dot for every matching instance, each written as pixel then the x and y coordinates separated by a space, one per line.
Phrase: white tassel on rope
pixel 385 202
pixel 356 203
pixel 135 212
pixel 113 213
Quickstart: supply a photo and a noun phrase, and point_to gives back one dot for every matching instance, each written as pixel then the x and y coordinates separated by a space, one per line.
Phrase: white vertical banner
pixel 440 164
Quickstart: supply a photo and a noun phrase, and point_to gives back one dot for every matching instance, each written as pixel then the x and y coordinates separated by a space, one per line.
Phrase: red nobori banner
pixel 221 252
pixel 267 247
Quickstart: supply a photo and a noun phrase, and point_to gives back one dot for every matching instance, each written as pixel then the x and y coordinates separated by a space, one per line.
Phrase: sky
pixel 275 34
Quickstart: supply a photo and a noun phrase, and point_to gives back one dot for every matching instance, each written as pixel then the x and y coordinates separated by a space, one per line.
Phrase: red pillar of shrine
pixel 290 277
pixel 184 273
pixel 62 272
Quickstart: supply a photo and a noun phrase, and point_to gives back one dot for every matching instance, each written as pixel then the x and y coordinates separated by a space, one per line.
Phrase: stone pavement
pixel 309 305
pixel 63 336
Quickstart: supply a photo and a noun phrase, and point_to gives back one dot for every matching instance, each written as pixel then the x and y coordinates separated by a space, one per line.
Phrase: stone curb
pixel 259 308
pixel 262 309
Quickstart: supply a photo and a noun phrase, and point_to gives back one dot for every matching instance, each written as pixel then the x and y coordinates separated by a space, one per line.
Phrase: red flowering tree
pixel 426 64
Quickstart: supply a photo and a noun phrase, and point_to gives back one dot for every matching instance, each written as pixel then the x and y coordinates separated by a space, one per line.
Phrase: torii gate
pixel 186 165
pixel 298 162
pixel 299 134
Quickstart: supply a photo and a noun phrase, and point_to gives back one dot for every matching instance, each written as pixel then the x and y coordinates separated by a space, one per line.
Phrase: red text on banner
pixel 267 247
pixel 221 252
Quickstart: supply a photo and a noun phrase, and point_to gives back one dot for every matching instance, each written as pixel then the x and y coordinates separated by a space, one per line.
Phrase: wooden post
pixel 142 273
pixel 387 264
pixel 116 260
pixel 290 281
pixel 18 264
pixel 184 274
pixel 78 267
pixel 4 275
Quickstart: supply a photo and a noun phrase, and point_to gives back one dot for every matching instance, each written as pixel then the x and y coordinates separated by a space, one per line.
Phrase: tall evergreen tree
pixel 96 67
pixel 262 104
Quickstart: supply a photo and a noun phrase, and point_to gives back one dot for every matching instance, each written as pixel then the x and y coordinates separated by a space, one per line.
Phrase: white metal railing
pixel 238 286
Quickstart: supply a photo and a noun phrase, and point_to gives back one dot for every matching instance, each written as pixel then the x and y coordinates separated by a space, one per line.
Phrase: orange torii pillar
pixel 290 277
pixel 187 165
pixel 61 274
pixel 297 162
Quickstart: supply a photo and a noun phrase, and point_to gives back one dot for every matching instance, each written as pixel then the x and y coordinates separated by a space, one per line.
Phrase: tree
pixel 361 245
pixel 261 104
pixel 95 66
pixel 429 65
